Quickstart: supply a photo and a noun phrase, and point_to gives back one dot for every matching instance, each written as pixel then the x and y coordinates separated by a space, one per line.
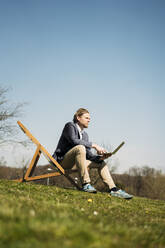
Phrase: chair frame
pixel 40 149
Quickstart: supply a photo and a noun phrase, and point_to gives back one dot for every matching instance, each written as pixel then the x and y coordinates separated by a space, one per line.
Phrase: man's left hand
pixel 105 156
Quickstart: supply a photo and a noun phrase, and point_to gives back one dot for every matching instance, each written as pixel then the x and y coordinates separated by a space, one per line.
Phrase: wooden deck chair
pixel 40 149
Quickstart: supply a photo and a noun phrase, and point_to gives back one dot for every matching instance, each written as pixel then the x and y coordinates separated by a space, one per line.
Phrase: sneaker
pixel 121 194
pixel 89 188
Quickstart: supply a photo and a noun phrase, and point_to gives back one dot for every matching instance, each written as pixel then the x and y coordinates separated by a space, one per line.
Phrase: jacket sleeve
pixel 71 136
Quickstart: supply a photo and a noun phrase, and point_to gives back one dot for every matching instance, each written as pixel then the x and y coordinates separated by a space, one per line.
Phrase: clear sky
pixel 104 55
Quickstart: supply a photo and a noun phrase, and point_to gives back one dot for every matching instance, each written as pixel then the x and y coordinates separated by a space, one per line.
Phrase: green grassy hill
pixel 33 215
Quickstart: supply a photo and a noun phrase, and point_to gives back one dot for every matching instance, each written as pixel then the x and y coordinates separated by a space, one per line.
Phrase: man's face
pixel 83 120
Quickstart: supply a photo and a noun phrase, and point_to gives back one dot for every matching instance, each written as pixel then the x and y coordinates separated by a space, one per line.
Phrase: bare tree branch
pixel 8 114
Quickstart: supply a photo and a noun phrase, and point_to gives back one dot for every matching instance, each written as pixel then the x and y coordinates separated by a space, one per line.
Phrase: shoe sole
pixel 127 198
pixel 89 191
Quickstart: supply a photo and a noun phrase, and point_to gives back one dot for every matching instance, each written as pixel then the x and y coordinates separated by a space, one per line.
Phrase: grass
pixel 33 215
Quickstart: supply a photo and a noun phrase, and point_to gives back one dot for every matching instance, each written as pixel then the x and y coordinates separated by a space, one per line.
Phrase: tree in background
pixel 8 114
pixel 146 181
pixel 2 161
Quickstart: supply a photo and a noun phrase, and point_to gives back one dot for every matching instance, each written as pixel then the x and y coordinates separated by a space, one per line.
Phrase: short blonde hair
pixel 79 113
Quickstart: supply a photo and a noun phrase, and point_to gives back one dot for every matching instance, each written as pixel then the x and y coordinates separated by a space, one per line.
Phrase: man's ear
pixel 78 118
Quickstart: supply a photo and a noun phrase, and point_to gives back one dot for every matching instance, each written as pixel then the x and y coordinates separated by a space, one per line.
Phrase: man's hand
pixel 100 150
pixel 105 156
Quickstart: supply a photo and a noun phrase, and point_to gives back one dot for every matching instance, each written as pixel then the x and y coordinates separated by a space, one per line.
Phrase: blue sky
pixel 107 56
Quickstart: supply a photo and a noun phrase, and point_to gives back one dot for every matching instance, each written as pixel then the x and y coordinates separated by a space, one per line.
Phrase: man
pixel 74 148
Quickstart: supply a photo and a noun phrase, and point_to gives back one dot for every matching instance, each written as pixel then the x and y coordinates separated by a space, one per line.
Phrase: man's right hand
pixel 100 150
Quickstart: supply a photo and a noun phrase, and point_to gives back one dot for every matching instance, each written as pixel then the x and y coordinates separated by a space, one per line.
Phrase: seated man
pixel 74 148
